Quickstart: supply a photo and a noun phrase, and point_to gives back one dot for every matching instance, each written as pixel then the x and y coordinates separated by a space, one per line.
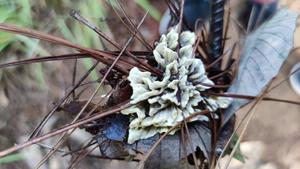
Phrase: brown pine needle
pixel 151 150
pixel 39 127
pixel 64 129
pixel 251 113
pixel 237 96
pixel 63 137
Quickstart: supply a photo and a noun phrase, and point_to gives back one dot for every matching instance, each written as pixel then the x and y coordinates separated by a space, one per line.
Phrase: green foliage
pixel 11 158
pixel 19 13
pixel 78 33
pixel 237 154
pixel 14 12
pixel 146 5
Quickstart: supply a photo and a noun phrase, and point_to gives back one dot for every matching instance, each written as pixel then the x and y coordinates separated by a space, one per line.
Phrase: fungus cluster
pixel 160 103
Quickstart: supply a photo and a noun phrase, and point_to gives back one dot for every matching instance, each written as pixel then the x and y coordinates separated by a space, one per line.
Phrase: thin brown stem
pixel 191 144
pixel 64 129
pixel 39 127
pixel 99 55
pixel 81 157
pixel 140 37
pixel 250 97
pixel 151 150
pixel 65 135
pixel 181 16
pixel 77 16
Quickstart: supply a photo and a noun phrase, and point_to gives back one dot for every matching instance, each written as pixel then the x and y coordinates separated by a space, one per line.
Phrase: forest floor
pixel 272 140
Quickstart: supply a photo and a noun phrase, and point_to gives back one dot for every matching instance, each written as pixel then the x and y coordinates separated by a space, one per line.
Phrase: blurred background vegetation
pixel 36 86
pixel 53 15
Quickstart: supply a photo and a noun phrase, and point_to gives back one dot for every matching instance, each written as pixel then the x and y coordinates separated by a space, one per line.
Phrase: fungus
pixel 159 104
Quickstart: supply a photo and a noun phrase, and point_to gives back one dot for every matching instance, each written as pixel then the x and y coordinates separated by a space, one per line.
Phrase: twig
pixel 77 16
pixel 181 16
pixel 133 26
pixel 252 113
pixel 191 144
pixel 81 157
pixel 37 130
pixel 62 138
pixel 151 150
pixel 238 96
pixel 64 129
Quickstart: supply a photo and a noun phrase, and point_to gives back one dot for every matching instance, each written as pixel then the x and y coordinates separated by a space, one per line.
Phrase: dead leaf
pixel 264 53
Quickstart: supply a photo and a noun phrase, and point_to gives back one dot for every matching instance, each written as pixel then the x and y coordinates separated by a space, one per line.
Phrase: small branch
pixel 64 129
pixel 237 96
